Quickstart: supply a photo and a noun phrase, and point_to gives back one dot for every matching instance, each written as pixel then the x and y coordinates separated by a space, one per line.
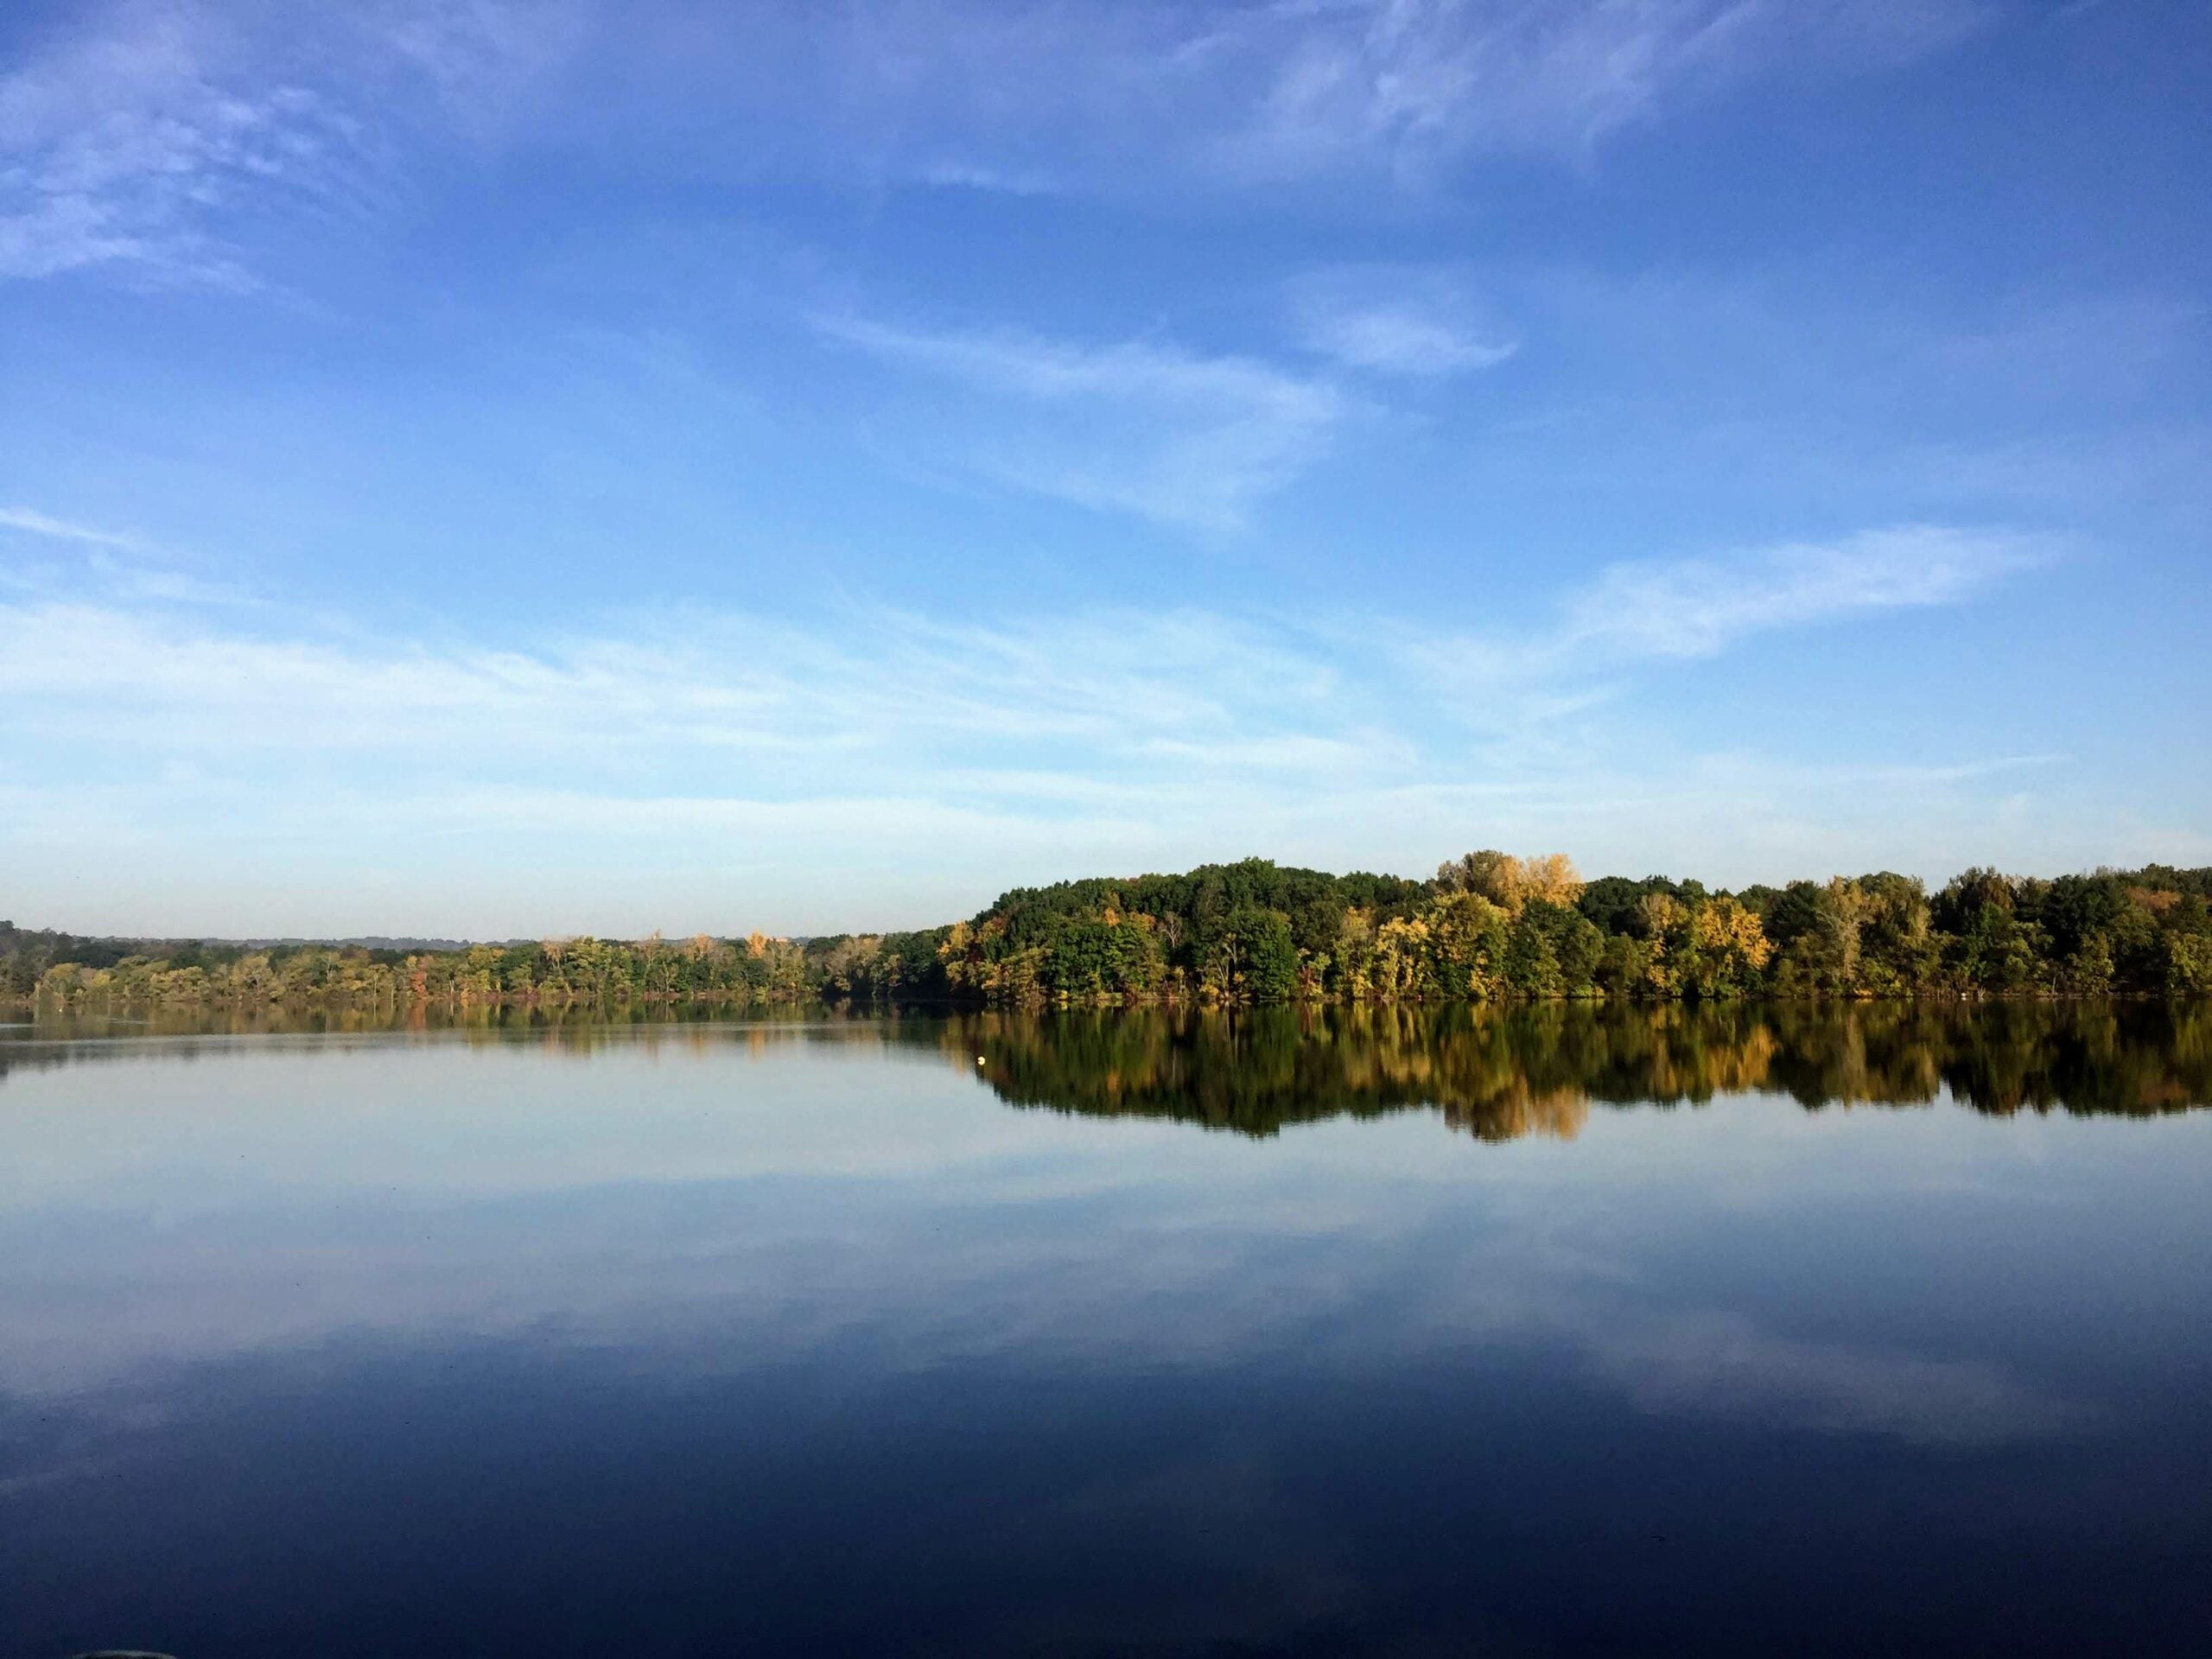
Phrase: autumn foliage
pixel 1489 926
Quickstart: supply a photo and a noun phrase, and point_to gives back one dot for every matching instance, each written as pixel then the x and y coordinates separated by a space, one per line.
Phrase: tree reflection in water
pixel 1500 1074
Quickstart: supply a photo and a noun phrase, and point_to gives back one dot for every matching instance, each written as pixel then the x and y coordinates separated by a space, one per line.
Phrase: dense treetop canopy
pixel 1488 926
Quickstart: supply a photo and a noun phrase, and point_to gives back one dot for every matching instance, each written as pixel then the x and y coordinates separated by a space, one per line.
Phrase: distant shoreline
pixel 1488 927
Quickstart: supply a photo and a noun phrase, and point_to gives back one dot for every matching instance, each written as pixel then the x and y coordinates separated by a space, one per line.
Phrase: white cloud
pixel 1176 436
pixel 1138 689
pixel 482 55
pixel 149 137
pixel 1419 83
pixel 1291 94
pixel 40 523
pixel 1636 613
pixel 1397 321
pixel 1698 607
pixel 880 689
pixel 969 175
pixel 152 138
pixel 124 140
pixel 874 766
pixel 122 565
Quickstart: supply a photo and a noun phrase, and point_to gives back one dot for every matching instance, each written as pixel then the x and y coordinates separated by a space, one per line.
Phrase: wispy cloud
pixel 1420 83
pixel 1172 435
pixel 1292 95
pixel 970 175
pixel 35 523
pixel 1648 611
pixel 1139 690
pixel 125 143
pixel 150 138
pixel 1698 607
pixel 722 696
pixel 154 138
pixel 1394 320
pixel 961 755
pixel 124 566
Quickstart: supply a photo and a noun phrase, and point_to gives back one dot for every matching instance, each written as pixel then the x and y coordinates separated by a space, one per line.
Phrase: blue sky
pixel 511 468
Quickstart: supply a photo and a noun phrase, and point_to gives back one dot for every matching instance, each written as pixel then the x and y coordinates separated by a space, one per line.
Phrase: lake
pixel 1551 1331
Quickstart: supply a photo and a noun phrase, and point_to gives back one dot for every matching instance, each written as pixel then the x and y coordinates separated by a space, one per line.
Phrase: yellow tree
pixel 1510 883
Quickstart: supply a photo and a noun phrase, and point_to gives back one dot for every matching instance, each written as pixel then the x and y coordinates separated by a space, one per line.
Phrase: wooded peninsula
pixel 1486 927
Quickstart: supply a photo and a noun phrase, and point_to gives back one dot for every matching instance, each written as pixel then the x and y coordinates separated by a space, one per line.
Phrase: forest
pixel 1487 927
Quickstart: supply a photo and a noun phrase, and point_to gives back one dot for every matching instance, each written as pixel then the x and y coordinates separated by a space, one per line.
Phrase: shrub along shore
pixel 1488 926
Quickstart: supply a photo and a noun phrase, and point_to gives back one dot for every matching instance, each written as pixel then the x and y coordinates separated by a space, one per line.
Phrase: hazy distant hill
pixel 366 941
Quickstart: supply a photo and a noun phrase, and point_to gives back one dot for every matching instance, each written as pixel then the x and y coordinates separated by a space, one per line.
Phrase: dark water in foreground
pixel 1555 1333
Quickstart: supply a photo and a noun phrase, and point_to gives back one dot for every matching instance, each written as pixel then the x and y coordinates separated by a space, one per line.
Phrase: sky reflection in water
pixel 797 1335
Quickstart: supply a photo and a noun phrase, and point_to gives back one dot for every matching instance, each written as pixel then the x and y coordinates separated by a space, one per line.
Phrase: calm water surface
pixel 1553 1333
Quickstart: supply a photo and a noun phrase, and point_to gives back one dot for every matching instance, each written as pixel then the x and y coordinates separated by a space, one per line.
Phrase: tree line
pixel 1487 927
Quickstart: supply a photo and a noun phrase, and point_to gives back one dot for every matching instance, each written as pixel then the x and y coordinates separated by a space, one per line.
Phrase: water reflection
pixel 1500 1074
pixel 789 1336
pixel 1497 1074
